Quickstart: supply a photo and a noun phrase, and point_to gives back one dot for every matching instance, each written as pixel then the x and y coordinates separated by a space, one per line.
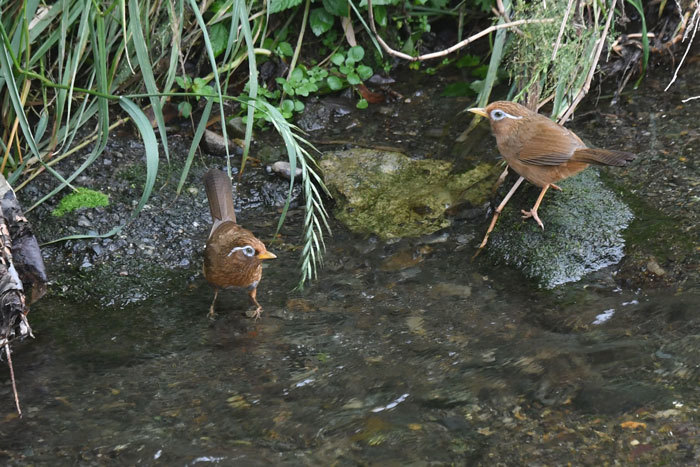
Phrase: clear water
pixel 436 359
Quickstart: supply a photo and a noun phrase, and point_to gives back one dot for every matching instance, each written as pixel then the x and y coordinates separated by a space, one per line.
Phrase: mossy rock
pixel 583 227
pixel 390 195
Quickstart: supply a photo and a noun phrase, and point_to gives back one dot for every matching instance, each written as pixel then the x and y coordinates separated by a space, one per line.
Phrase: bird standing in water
pixel 541 151
pixel 233 255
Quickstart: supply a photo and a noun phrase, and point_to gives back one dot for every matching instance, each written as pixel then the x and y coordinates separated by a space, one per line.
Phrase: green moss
pixel 81 198
pixel 391 195
pixel 583 232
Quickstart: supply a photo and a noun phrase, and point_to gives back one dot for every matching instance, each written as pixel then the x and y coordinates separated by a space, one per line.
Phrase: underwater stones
pixel 391 195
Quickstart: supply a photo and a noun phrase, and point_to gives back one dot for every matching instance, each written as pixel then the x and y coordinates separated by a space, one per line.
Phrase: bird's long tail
pixel 218 188
pixel 603 157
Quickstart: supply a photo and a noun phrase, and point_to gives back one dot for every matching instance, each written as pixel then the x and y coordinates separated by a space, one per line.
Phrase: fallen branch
pixel 12 378
pixel 451 49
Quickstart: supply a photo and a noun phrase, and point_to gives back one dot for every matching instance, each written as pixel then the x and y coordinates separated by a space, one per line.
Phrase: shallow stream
pixel 403 352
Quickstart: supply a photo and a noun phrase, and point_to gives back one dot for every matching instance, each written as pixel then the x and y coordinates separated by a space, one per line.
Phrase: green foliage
pixel 303 82
pixel 467 61
pixel 218 34
pixel 321 21
pixel 347 68
pixel 337 7
pixel 529 61
pixel 81 198
pixel 280 5
pixel 199 87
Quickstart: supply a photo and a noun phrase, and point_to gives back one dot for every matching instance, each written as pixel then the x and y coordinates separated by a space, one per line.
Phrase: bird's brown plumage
pixel 233 255
pixel 540 150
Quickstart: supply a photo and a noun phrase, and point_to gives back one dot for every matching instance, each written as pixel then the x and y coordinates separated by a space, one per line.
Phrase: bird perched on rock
pixel 541 151
pixel 233 255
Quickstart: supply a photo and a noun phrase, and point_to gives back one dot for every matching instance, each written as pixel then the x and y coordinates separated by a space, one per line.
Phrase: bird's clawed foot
pixel 533 213
pixel 254 313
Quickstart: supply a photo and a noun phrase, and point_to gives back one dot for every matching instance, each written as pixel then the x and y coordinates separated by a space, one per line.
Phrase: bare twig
pixel 12 378
pixel 690 99
pixel 696 20
pixel 591 72
pixel 451 49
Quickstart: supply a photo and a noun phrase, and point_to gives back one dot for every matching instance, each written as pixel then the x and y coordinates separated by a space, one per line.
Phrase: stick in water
pixel 12 378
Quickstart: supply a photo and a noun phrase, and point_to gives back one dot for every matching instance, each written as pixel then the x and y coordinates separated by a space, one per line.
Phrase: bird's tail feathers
pixel 220 195
pixel 603 157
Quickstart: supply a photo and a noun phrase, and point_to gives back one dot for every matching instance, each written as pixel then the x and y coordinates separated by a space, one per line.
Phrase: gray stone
pixel 583 227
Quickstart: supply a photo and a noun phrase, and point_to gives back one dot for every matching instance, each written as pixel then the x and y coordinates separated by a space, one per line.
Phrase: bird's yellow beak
pixel 266 255
pixel 479 111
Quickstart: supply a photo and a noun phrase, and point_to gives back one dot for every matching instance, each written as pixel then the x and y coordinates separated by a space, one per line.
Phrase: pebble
pixel 284 169
pixel 654 268
pixel 84 221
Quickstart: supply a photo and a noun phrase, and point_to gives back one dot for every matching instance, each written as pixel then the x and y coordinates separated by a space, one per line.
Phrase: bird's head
pixel 505 116
pixel 250 249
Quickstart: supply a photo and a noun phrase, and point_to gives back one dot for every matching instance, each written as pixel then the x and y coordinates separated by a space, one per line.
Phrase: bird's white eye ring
pixel 497 115
pixel 247 250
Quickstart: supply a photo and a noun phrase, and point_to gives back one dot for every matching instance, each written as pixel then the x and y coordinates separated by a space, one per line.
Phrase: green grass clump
pixel 81 198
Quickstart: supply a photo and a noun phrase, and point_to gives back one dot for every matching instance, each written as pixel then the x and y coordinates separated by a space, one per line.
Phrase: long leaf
pixel 149 81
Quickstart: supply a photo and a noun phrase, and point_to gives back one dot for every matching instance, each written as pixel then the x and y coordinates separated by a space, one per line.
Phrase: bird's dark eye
pixel 497 114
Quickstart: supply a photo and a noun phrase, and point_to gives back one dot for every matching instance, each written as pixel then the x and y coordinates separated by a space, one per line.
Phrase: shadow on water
pixel 403 351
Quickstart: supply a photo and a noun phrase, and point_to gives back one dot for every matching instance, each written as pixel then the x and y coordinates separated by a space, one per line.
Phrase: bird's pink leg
pixel 496 214
pixel 533 212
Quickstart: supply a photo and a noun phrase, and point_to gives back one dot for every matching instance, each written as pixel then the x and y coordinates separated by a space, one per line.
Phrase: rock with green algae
pixel 390 195
pixel 583 227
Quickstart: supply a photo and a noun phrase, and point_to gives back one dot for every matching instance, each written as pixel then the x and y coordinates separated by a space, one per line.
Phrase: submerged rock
pixel 390 195
pixel 583 227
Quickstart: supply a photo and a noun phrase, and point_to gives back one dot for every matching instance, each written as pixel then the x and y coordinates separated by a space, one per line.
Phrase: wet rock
pixel 390 195
pixel 284 170
pixel 215 144
pixel 583 227
pixel 236 127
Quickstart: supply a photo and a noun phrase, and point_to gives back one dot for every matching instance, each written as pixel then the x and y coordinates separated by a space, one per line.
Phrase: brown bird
pixel 540 150
pixel 233 255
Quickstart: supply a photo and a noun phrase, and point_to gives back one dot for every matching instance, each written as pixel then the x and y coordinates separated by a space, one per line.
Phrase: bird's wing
pixel 547 143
